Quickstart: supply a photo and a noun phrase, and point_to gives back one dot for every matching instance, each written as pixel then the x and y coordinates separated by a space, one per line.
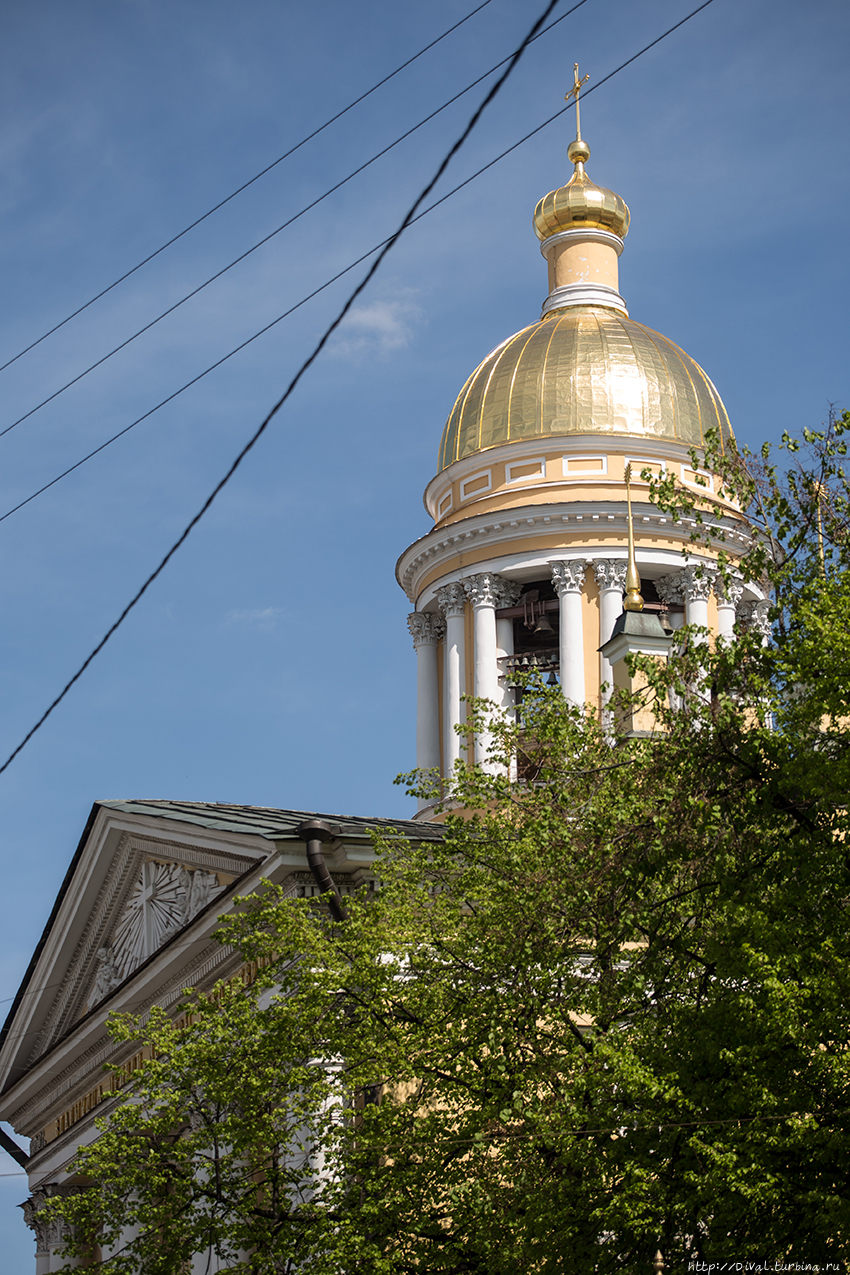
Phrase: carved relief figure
pixel 204 886
pixel 108 975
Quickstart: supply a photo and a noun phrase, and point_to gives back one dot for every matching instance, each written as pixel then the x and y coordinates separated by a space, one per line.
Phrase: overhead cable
pixel 266 238
pixel 345 271
pixel 305 366
pixel 268 168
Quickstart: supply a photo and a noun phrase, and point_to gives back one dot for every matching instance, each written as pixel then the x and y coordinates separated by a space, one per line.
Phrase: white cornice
pixel 441 547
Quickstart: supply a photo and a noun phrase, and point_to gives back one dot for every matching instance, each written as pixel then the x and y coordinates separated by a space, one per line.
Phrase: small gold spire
pixel 578 152
pixel 633 601
pixel 819 493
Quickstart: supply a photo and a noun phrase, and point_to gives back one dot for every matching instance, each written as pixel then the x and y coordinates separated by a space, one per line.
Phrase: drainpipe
pixel 313 832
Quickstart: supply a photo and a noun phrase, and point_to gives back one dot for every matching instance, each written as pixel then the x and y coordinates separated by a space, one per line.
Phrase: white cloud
pixel 377 328
pixel 263 619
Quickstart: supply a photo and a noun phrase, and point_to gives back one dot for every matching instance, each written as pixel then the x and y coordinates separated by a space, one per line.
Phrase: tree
pixel 607 1014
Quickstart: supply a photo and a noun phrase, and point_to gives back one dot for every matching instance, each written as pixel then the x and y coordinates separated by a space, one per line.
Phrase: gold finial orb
pixel 578 152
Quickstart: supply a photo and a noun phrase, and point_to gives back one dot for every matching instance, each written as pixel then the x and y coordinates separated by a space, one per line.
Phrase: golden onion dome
pixel 581 204
pixel 583 370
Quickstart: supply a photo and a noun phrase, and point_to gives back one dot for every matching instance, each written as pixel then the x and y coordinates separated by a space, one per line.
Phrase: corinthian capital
pixel 568 577
pixel 483 589
pixel 426 628
pixel 507 591
pixel 728 592
pixel 451 599
pixel 755 616
pixel 48 1232
pixel 696 584
pixel 670 588
pixel 610 573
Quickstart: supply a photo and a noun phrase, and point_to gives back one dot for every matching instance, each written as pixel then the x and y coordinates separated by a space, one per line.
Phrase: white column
pixel 728 596
pixel 611 578
pixel 427 631
pixel 483 592
pixel 568 579
pixel 695 590
pixel 452 600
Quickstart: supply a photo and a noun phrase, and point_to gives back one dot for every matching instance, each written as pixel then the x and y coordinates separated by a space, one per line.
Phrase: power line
pixel 245 185
pixel 305 366
pixel 266 238
pixel 268 326
pixel 348 268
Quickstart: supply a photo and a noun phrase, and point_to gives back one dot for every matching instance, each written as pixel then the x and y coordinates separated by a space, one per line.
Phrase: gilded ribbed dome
pixel 581 204
pixel 583 370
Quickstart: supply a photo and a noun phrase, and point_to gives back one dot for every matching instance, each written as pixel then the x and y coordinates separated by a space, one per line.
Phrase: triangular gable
pixel 129 893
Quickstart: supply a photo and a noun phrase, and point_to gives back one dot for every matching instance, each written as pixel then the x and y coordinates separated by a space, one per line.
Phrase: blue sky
pixel 271 663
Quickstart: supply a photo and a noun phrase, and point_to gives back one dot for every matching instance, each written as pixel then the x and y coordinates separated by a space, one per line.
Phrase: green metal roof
pixel 266 821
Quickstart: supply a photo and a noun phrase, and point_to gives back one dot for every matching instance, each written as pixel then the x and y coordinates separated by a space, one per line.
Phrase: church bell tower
pixel 526 563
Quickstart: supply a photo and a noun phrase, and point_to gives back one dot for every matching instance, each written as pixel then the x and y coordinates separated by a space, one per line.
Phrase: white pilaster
pixel 728 596
pixel 611 578
pixel 427 631
pixel 568 579
pixel 452 602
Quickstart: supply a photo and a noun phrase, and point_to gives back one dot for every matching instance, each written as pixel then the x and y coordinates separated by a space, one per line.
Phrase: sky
pixel 271 663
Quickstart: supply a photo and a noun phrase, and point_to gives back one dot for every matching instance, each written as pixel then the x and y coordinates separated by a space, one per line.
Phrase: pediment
pixel 152 888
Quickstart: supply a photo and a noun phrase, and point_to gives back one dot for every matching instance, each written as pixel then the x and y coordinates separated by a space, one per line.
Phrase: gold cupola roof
pixel 586 367
pixel 581 204
pixel 583 370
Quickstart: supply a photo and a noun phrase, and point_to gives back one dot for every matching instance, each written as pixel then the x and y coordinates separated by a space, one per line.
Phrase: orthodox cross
pixel 574 92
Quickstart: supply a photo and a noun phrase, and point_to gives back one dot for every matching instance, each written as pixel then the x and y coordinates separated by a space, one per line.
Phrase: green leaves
pixel 607 1013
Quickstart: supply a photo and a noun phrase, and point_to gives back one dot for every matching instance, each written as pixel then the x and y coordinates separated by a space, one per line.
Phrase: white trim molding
pixel 708 479
pixel 589 235
pixel 584 474
pixel 486 474
pixel 641 462
pixel 553 446
pixel 583 294
pixel 540 472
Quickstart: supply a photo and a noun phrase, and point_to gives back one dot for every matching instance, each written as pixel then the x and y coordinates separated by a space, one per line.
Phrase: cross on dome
pixel 574 92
